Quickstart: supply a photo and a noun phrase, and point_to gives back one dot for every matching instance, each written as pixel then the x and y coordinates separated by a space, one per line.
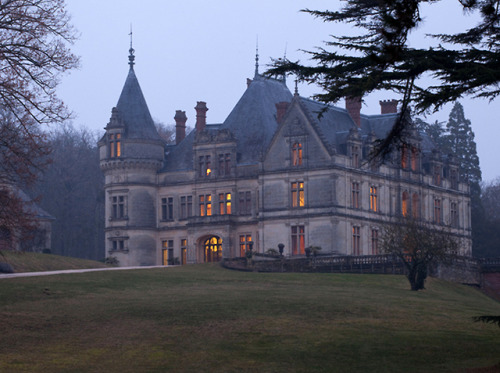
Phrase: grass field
pixel 202 318
pixel 34 262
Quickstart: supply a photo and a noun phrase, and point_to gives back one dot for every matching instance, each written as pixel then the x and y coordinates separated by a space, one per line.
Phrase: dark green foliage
pixel 486 232
pixel 72 190
pixel 379 57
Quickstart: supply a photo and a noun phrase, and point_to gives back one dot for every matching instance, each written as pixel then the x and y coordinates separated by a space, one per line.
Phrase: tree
pixel 72 188
pixel 418 245
pixel 486 234
pixel 379 57
pixel 34 39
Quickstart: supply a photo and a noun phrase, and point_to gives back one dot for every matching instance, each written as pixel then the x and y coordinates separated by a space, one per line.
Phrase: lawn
pixel 202 318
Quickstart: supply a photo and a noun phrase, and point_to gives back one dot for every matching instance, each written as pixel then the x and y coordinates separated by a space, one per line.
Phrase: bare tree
pixel 418 244
pixel 34 40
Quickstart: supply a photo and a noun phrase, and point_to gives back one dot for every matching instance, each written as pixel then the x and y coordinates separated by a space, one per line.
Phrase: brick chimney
pixel 281 108
pixel 201 115
pixel 180 125
pixel 353 107
pixel 388 106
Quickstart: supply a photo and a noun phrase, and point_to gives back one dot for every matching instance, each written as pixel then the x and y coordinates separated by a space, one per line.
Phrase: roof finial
pixel 257 57
pixel 284 61
pixel 296 93
pixel 131 51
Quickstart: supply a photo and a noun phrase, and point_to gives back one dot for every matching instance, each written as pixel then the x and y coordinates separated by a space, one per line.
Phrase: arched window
pixel 213 249
pixel 297 154
pixel 404 204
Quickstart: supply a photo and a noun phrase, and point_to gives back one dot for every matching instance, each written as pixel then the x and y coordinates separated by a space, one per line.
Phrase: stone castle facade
pixel 273 172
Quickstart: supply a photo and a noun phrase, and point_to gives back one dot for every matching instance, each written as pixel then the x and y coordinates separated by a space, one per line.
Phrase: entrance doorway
pixel 213 249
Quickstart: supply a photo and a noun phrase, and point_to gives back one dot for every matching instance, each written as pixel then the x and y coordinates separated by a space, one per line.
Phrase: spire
pixel 257 58
pixel 131 51
pixel 284 60
pixel 296 93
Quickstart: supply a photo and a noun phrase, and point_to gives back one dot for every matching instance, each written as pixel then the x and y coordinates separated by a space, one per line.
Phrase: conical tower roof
pixel 133 110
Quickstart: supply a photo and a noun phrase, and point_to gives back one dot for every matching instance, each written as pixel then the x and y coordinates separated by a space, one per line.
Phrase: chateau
pixel 273 172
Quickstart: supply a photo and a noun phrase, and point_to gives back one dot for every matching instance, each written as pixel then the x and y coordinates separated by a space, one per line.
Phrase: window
pixel 118 207
pixel 414 158
pixel 453 215
pixel 118 245
pixel 167 208
pixel 415 206
pixel 374 247
pixel 404 156
pixel 184 251
pixel 373 198
pixel 405 205
pixel 225 203
pixel 297 154
pixel 356 241
pixel 186 207
pixel 298 240
pixel 437 175
pixel 205 166
pixel 244 243
pixel 437 210
pixel 355 195
pixel 206 205
pixel 355 156
pixel 454 179
pixel 168 252
pixel 245 203
pixel 115 146
pixel 298 194
pixel 224 164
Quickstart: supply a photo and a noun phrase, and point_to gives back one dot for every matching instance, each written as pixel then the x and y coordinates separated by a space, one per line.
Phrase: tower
pixel 131 153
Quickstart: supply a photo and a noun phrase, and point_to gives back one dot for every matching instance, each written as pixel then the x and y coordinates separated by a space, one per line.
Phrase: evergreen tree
pixel 434 130
pixel 459 141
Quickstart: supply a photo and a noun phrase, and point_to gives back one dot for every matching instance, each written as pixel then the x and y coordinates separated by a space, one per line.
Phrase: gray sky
pixel 193 50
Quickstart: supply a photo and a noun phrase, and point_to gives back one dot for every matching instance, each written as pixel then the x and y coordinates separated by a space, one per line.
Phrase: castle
pixel 273 172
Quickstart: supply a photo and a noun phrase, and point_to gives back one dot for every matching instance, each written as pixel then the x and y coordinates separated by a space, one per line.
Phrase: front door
pixel 213 249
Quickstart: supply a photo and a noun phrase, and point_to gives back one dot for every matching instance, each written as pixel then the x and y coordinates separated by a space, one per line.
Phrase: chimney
pixel 201 115
pixel 388 106
pixel 353 107
pixel 281 108
pixel 180 125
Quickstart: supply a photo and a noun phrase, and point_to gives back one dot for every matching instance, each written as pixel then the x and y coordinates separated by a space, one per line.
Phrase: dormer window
pixel 355 156
pixel 115 147
pixel 205 165
pixel 437 175
pixel 414 158
pixel 297 154
pixel 404 157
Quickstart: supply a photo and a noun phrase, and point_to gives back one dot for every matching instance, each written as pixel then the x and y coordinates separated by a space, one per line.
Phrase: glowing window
pixel 205 203
pixel 244 243
pixel 298 240
pixel 373 198
pixel 297 154
pixel 298 194
pixel 405 203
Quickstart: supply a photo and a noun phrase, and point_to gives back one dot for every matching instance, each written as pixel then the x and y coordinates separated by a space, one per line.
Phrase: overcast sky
pixel 204 50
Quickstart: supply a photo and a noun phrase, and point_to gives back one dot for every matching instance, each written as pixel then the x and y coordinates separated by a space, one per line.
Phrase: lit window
pixel 373 198
pixel 355 195
pixel 404 157
pixel 414 158
pixel 205 166
pixel 115 146
pixel 206 205
pixel 405 204
pixel 356 241
pixel 225 203
pixel 298 240
pixel 244 243
pixel 168 252
pixel 297 154
pixel 298 194
pixel 183 251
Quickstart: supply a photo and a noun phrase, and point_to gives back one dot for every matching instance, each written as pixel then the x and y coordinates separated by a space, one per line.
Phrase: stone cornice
pixel 113 164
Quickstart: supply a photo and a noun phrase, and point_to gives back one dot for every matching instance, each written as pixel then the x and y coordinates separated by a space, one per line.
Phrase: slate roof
pixel 134 112
pixel 253 119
